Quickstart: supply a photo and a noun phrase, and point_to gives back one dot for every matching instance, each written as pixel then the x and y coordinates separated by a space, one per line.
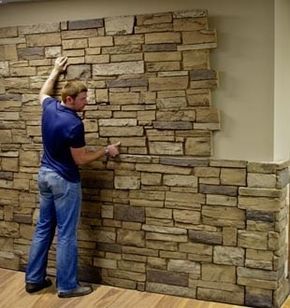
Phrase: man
pixel 59 185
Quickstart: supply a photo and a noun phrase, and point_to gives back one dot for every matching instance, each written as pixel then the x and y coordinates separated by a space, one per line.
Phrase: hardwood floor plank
pixel 13 295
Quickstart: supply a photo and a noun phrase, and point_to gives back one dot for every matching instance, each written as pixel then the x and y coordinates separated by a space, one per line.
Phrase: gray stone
pixel 205 237
pixel 171 278
pixel 82 72
pixel 85 24
pixel 129 213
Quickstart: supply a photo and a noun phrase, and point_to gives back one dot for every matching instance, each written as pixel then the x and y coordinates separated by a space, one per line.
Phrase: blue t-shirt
pixel 62 129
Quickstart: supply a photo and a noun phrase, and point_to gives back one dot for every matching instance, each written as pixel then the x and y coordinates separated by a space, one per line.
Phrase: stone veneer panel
pixel 164 216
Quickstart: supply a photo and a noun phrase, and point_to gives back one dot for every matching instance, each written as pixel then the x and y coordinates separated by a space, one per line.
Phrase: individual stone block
pixel 202 74
pixel 207 115
pixel 165 27
pixel 162 38
pixel 205 237
pixel 260 204
pixel 133 67
pixel 190 24
pixel 30 53
pixel 125 83
pixel 85 24
pixel 229 236
pixel 166 230
pixel 162 56
pixel 259 259
pixel 168 83
pixel 257 278
pixel 171 103
pixel 256 297
pixel 184 200
pixel 150 19
pixel 221 200
pixel 185 266
pixel 223 216
pixel 133 39
pixel 119 25
pixel 160 47
pixel 223 296
pixel 261 180
pixel 180 180
pixel 165 148
pixel 199 37
pixel 131 238
pixel 251 239
pixel 120 131
pixel 74 34
pixel 198 146
pixel 47 39
pixel 81 71
pixel 171 278
pixel 118 122
pixel 195 59
pixel 176 125
pixel 229 255
pixel 176 115
pixel 181 161
pixel 218 273
pixel 6 32
pixel 101 41
pixel 127 182
pixel 185 216
pixel 129 213
pixel 218 189
pixel 9 229
pixel 255 167
pixel 233 176
pixel 8 52
pixel 190 13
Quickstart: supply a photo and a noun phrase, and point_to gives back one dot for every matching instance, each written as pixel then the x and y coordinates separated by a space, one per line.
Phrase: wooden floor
pixel 13 295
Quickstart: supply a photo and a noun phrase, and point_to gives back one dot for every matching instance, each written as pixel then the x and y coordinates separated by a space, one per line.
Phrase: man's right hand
pixel 60 64
pixel 113 149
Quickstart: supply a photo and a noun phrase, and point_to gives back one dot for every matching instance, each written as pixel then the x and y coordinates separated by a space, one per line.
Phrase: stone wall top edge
pixel 190 13
pixel 211 161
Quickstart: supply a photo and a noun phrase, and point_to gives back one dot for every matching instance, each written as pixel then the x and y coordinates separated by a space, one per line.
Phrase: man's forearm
pixel 48 86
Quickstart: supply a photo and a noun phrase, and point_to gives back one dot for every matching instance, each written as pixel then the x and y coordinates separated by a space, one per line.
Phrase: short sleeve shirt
pixel 62 129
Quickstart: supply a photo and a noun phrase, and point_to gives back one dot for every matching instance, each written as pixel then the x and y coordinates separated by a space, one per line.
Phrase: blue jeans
pixel 60 202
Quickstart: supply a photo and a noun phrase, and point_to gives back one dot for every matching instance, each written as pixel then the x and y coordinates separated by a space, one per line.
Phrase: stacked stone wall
pixel 164 216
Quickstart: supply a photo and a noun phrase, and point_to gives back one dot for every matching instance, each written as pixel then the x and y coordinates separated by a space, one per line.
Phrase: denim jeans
pixel 60 202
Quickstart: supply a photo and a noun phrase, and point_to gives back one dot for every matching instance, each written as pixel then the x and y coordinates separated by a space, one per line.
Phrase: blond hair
pixel 72 89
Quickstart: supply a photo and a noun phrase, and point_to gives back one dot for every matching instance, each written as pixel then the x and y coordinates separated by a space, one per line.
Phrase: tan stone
pixel 180 180
pixel 194 59
pixel 127 182
pixel 165 148
pixel 260 203
pixel 149 19
pixel 130 67
pixel 230 236
pixel 199 146
pixel 150 178
pixel 168 83
pixel 261 180
pixel 218 273
pixel 46 39
pixel 101 41
pixel 233 176
pixel 119 25
pixel 165 37
pixel 162 56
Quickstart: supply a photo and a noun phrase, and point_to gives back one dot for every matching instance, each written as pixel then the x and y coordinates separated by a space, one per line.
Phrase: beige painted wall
pixel 244 59
pixel 282 80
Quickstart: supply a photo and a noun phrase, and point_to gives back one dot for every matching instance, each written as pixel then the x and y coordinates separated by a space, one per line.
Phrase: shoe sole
pixel 63 295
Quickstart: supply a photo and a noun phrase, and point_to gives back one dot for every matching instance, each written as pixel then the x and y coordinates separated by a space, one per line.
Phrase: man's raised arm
pixel 60 66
